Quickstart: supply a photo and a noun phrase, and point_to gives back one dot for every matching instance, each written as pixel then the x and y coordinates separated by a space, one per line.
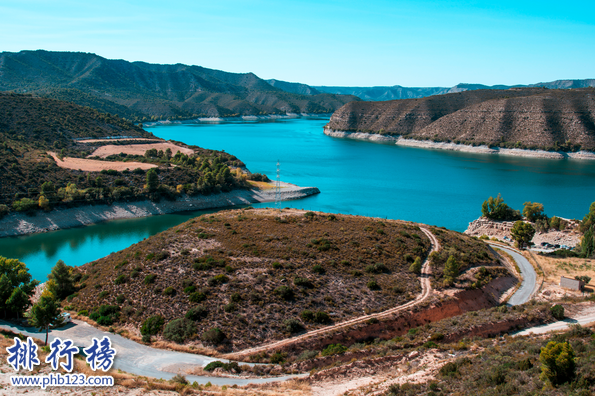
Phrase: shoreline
pixel 425 144
pixel 235 118
pixel 19 224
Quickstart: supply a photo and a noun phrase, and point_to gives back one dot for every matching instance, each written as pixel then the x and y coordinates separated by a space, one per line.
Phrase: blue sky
pixel 347 43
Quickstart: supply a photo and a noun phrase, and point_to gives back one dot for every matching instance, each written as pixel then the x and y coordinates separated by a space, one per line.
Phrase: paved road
pixel 136 358
pixel 561 325
pixel 523 294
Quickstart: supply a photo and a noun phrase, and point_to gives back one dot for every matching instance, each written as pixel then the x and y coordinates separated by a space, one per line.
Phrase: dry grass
pixel 568 267
pixel 261 185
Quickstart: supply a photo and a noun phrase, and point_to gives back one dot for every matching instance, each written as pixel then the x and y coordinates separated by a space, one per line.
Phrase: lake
pixel 372 179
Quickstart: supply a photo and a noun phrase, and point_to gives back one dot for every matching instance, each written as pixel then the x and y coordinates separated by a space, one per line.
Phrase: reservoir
pixel 435 187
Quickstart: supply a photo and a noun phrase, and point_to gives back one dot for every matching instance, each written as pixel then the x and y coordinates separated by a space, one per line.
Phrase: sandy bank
pixel 21 224
pixel 400 141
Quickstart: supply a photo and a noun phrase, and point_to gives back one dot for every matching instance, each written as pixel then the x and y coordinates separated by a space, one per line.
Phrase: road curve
pixel 560 325
pixel 523 294
pixel 426 289
pixel 136 358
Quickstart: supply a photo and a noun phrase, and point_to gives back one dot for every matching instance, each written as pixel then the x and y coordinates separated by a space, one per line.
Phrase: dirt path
pixel 426 289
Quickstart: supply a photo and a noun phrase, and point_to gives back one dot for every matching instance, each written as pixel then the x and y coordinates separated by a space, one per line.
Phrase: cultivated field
pixel 89 165
pixel 138 149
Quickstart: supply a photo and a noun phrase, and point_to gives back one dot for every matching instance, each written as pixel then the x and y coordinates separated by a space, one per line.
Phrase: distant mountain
pixel 296 88
pixel 399 92
pixel 144 91
pixel 534 118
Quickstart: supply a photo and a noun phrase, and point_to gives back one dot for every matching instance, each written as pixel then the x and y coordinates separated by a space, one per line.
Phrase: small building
pixel 572 284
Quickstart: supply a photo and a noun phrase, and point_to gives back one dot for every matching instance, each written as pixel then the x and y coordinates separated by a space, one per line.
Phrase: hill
pixel 261 275
pixel 40 137
pixel 142 91
pixel 532 118
pixel 398 92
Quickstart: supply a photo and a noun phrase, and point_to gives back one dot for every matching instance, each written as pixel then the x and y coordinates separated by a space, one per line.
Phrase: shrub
pixel 213 336
pixel 293 326
pixel 169 291
pixel 307 355
pixel 277 358
pixel 229 307
pixel 83 312
pixel 120 279
pixel 373 285
pixel 318 269
pixel 162 255
pixel 334 349
pixel 3 211
pixel 277 265
pixel 146 338
pixel 105 321
pixel 25 205
pixel 196 313
pixel 557 363
pixel 236 297
pixel 189 289
pixel 217 280
pixel 231 366
pixel 152 325
pixel 178 330
pixel 557 311
pixel 307 315
pixel 284 292
pixel 103 294
pixel 321 317
pixel 121 298
pixel 303 282
pixel 309 215
pixel 150 279
pixel 94 316
pixel 197 297
pixel 416 266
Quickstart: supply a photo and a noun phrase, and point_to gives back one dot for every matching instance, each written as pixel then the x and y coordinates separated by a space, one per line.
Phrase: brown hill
pixel 249 272
pixel 520 117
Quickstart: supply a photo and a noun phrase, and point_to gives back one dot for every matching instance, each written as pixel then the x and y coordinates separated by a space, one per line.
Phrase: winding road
pixel 135 358
pixel 523 294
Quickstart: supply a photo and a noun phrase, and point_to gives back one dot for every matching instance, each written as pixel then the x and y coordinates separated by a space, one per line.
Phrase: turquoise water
pixel 382 180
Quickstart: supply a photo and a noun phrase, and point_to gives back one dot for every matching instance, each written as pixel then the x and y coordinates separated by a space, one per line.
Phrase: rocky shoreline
pixel 400 141
pixel 16 224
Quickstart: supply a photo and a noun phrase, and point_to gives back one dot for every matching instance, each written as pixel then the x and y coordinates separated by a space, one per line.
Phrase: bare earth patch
pixel 89 165
pixel 570 267
pixel 113 140
pixel 138 149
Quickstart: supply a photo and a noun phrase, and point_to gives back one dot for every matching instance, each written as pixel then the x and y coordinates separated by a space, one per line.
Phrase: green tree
pixel 14 274
pixel 533 211
pixel 584 278
pixel 18 301
pixel 557 363
pixel 588 244
pixel 589 219
pixel 61 284
pixel 45 313
pixel 44 203
pixel 451 270
pixel 152 180
pixel 522 233
pixel 48 190
pixel 416 266
pixel 496 209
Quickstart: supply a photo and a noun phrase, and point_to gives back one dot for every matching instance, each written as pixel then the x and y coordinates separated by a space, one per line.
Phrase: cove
pixel 435 187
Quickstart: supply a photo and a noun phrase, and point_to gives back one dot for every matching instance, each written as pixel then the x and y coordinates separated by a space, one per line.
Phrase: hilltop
pixel 45 150
pixel 142 91
pixel 263 275
pixel 529 118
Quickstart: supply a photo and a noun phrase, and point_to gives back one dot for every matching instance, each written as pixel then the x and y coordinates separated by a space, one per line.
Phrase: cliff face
pixel 525 118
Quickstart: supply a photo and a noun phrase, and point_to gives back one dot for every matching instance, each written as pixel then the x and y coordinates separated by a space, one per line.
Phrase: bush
pixel 197 297
pixel 334 349
pixel 105 321
pixel 293 326
pixel 146 338
pixel 25 205
pixel 277 265
pixel 318 269
pixel 120 279
pixel 229 307
pixel 373 285
pixel 284 292
pixel 322 317
pixel 307 315
pixel 150 279
pixel 3 211
pixel 152 325
pixel 196 313
pixel 103 294
pixel 214 336
pixel 189 289
pixel 169 291
pixel 83 312
pixel 178 330
pixel 231 366
pixel 236 297
pixel 277 358
pixel 303 282
pixel 557 311
pixel 557 363
pixel 217 280
pixel 121 298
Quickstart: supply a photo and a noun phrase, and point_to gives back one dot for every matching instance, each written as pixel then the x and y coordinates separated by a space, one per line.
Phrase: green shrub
pixel 196 313
pixel 318 269
pixel 150 256
pixel 162 255
pixel 169 291
pixel 146 338
pixel 197 297
pixel 121 298
pixel 152 325
pixel 105 321
pixel 189 289
pixel 373 285
pixel 321 317
pixel 557 311
pixel 277 265
pixel 557 363
pixel 277 358
pixel 150 279
pixel 231 366
pixel 236 297
pixel 103 294
pixel 94 316
pixel 3 211
pixel 229 269
pixel 293 326
pixel 120 279
pixel 303 282
pixel 218 280
pixel 25 205
pixel 179 330
pixel 307 315
pixel 284 292
pixel 214 336
pixel 83 312
pixel 229 307
pixel 334 349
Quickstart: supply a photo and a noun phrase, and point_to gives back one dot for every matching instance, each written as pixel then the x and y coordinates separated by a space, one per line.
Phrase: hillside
pixel 32 128
pixel 261 275
pixel 142 91
pixel 533 118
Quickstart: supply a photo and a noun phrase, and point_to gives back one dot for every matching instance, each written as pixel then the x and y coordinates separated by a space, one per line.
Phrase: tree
pixel 178 330
pixel 588 244
pixel 14 274
pixel 44 203
pixel 557 363
pixel 45 313
pixel 451 270
pixel 152 180
pixel 496 209
pixel 522 233
pixel 583 278
pixel 416 266
pixel 589 219
pixel 61 284
pixel 18 301
pixel 533 211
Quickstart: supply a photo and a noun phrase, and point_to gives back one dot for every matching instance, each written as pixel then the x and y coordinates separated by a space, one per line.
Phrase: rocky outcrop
pixel 528 118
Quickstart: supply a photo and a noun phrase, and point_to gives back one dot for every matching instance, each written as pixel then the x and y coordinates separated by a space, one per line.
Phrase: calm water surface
pixel 355 177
